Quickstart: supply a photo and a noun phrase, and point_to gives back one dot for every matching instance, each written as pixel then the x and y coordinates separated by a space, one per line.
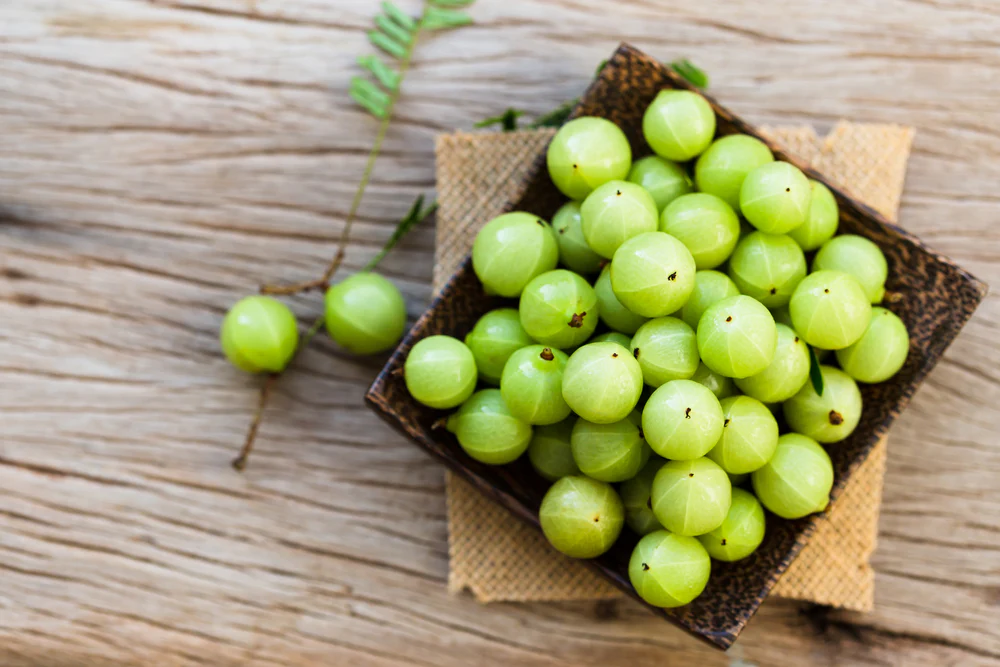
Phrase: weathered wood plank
pixel 160 159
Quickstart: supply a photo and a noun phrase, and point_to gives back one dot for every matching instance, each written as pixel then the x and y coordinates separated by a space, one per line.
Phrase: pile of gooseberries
pixel 664 318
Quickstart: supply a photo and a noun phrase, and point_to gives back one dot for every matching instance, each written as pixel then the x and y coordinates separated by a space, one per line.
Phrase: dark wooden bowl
pixel 935 298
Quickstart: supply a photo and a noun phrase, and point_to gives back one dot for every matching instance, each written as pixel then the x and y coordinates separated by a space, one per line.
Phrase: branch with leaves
pixel 259 333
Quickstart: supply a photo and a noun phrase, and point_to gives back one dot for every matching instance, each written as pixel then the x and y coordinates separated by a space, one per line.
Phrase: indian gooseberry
pixel 880 352
pixel 678 125
pixel 797 480
pixel 749 435
pixel 440 372
pixel 611 310
pixel 365 313
pixel 830 309
pixel 720 385
pixel 682 420
pixel 721 169
pixel 828 418
pixel 775 197
pixel 663 179
pixel 859 257
pixel 821 223
pixel 602 382
pixel 612 337
pixel 487 431
pixel 581 517
pixel 709 287
pixel 691 497
pixel 785 375
pixel 669 570
pixel 768 267
pixel 614 213
pixel 653 274
pixel 550 452
pixel 610 452
pixel 586 153
pixel 705 224
pixel 737 337
pixel 636 495
pixel 495 336
pixel 742 531
pixel 259 334
pixel 574 252
pixel 666 349
pixel 512 249
pixel 531 385
pixel 559 309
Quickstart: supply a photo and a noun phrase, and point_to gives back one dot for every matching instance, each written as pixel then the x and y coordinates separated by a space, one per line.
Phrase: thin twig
pixel 240 462
pixel 324 281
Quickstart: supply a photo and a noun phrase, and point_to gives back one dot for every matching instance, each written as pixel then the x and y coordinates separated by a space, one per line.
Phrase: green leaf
pixel 452 3
pixel 507 120
pixel 386 43
pixel 600 66
pixel 399 16
pixel 413 217
pixel 557 117
pixel 385 74
pixel 694 75
pixel 815 374
pixel 436 18
pixel 393 29
pixel 370 96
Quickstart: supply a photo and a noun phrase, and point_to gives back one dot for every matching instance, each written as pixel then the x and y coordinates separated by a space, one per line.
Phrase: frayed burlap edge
pixel 497 557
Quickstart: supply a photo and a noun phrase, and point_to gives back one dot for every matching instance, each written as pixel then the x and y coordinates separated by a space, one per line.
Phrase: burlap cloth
pixel 499 558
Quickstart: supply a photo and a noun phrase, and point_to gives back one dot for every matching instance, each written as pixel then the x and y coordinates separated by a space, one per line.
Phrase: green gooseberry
pixel 663 179
pixel 487 431
pixel 259 334
pixel 495 336
pixel 365 313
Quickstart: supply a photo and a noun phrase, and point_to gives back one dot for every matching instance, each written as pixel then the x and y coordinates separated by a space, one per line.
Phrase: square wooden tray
pixel 932 295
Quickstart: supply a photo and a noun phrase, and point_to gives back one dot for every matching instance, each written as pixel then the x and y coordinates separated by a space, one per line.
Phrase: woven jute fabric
pixel 497 557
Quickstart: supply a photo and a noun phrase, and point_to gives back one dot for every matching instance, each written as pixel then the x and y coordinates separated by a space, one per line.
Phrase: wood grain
pixel 160 159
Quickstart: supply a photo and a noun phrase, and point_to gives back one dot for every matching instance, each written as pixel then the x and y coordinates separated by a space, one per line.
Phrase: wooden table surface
pixel 160 159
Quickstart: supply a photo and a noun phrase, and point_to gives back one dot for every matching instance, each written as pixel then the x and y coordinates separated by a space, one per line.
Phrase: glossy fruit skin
pixel 722 168
pixel 511 250
pixel 602 382
pixel 828 418
pixel 797 480
pixel 691 497
pixel 705 224
pixel 880 352
pixel 859 257
pixel 830 309
pixel 678 125
pixel 669 570
pixel 365 313
pixel 822 221
pixel 653 274
pixel 663 179
pixel 611 310
pixel 610 452
pixel 737 337
pixel 785 375
pixel 559 309
pixel 682 420
pixel 259 334
pixel 742 531
pixel 614 213
pixel 496 336
pixel 612 337
pixel 574 252
pixel 586 153
pixel 775 197
pixel 581 517
pixel 440 372
pixel 666 349
pixel 709 287
pixel 768 267
pixel 531 385
pixel 487 431
pixel 719 385
pixel 636 496
pixel 550 452
pixel 749 436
